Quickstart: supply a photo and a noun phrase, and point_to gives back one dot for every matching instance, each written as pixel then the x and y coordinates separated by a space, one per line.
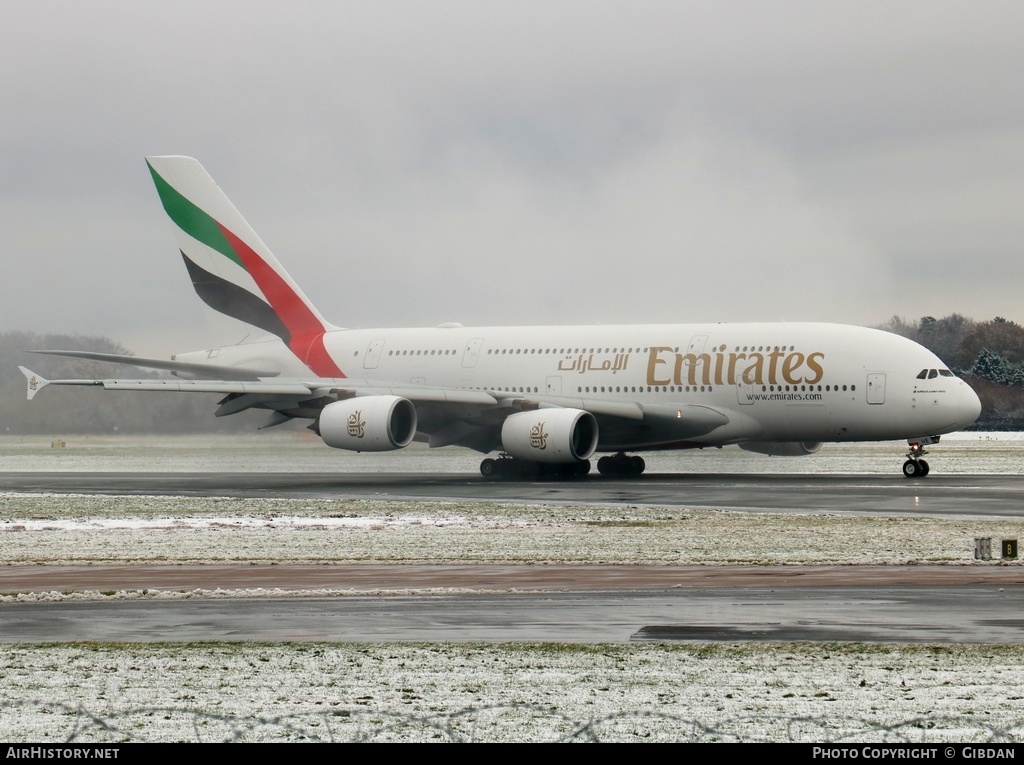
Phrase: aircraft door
pixel 472 352
pixel 876 388
pixel 554 386
pixel 373 354
pixel 697 343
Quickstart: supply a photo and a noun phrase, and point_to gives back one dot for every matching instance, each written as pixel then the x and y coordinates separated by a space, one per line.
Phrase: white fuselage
pixel 776 382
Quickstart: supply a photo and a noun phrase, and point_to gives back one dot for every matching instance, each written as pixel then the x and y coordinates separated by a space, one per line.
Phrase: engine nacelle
pixel 368 424
pixel 782 448
pixel 550 435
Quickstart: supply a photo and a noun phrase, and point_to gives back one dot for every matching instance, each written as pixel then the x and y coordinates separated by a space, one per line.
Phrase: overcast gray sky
pixel 413 163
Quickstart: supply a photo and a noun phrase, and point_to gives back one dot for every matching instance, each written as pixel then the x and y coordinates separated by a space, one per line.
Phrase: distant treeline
pixel 988 354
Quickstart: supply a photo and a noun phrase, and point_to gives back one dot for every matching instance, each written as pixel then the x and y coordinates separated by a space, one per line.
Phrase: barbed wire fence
pixel 36 721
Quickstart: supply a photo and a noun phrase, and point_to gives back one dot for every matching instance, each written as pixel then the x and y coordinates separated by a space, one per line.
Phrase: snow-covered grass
pixel 512 692
pixel 87 530
pixel 83 529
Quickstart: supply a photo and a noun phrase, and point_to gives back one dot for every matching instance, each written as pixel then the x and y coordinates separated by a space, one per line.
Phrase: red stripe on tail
pixel 305 330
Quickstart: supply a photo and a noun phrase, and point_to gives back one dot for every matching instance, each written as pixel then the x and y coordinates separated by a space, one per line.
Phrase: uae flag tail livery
pixel 231 268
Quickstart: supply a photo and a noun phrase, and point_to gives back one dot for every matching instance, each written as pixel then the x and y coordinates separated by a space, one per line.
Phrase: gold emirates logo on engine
pixel 356 424
pixel 538 438
pixel 666 366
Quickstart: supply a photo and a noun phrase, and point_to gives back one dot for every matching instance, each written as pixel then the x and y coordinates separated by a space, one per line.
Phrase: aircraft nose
pixel 968 407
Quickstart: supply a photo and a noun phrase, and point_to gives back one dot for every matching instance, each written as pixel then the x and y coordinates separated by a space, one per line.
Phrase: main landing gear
pixel 505 467
pixel 621 465
pixel 915 467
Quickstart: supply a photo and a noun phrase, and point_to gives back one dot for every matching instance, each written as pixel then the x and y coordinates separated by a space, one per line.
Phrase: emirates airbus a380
pixel 546 399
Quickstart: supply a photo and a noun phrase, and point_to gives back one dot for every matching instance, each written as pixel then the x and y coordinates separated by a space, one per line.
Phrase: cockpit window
pixel 931 374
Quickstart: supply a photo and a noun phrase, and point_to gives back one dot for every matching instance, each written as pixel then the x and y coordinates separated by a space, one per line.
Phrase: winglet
pixel 35 382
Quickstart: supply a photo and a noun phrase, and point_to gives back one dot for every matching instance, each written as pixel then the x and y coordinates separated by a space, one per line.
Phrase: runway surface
pixel 968 603
pixel 938 495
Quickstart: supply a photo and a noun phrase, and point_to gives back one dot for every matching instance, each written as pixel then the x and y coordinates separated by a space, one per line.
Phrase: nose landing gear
pixel 915 467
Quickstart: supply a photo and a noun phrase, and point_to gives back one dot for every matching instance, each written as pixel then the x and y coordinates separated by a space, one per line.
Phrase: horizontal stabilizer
pixel 211 371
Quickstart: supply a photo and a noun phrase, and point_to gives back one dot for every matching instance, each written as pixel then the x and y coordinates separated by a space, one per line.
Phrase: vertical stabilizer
pixel 231 268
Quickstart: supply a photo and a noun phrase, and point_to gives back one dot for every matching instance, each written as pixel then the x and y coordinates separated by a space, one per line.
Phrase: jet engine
pixel 368 424
pixel 550 435
pixel 782 448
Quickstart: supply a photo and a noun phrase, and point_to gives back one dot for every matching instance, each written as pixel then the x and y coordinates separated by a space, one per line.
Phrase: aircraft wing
pixel 37 382
pixel 651 424
pixel 342 388
pixel 179 367
pixel 460 416
pixel 260 387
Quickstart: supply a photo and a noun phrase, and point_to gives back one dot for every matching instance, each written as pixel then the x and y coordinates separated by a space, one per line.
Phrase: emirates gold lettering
pixel 653 361
pixel 812 362
pixel 666 366
pixel 601 363
pixel 754 373
pixel 691 362
pixel 792 362
pixel 734 358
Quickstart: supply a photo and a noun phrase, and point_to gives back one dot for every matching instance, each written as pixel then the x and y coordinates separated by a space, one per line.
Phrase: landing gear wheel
pixel 915 467
pixel 513 468
pixel 621 465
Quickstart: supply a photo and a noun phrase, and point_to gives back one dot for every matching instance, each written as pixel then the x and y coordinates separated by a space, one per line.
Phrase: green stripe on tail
pixel 191 219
